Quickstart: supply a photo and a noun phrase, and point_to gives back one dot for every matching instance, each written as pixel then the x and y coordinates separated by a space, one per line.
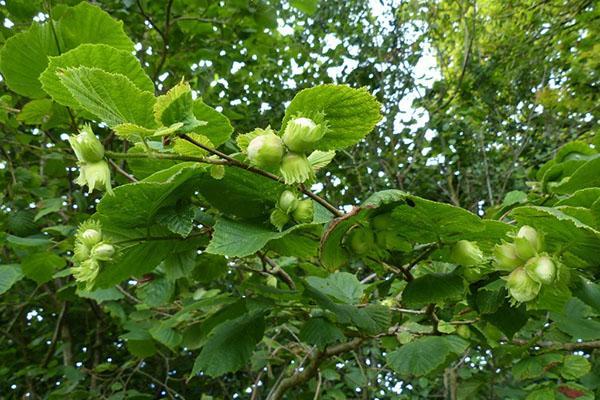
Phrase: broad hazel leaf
pixel 242 194
pixel 414 220
pixel 9 275
pixel 575 321
pixel 166 335
pixel 41 266
pixel 113 98
pixel 25 56
pixel 36 112
pixel 136 204
pixel 218 128
pixel 425 355
pixel 350 114
pixel 433 288
pixel 87 23
pixel 237 238
pixel 320 332
pixel 342 286
pixel 585 176
pixel 133 261
pixel 100 56
pixel 574 367
pixel 230 345
pixel 581 198
pixel 176 106
pixel 308 7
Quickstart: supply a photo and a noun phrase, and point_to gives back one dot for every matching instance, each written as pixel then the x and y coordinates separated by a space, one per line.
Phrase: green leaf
pixel 41 266
pixel 9 275
pixel 242 194
pixel 87 23
pixel 27 241
pixel 49 206
pixel 536 366
pixel 101 295
pixel 507 318
pixel 36 112
pixel 236 238
pixel 586 176
pixel 541 394
pixel 177 106
pixel 178 219
pixel 156 192
pixel 425 355
pixel 433 288
pixel 588 292
pixel 185 148
pixel 342 286
pixel 350 113
pixel 581 198
pixel 141 348
pixel 218 128
pixel 308 7
pixel 104 57
pixel 111 97
pixel 25 56
pixel 230 345
pixel 575 322
pixel 416 220
pixel 157 292
pixel 133 261
pixel 574 367
pixel 562 233
pixel 166 335
pixel 320 332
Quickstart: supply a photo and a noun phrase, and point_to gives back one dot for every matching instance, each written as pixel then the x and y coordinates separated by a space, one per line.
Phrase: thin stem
pixel 120 170
pixel 236 163
pixel 164 156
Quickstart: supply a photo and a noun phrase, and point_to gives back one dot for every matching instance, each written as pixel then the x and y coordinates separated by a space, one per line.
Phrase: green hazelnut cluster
pixel 290 207
pixel 288 152
pixel 93 169
pixel 529 267
pixel 90 250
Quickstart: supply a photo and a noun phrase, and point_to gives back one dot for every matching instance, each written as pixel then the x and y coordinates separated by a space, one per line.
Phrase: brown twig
pixel 54 340
pixel 277 271
pixel 120 170
pixel 315 360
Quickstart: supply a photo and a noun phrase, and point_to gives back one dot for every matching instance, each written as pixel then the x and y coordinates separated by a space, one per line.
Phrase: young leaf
pixel 350 114
pixel 111 97
pixel 176 106
pixel 425 355
pixel 230 345
pixel 218 128
pixel 100 56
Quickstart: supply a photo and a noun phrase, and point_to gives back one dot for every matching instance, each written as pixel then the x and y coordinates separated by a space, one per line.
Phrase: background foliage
pixel 476 98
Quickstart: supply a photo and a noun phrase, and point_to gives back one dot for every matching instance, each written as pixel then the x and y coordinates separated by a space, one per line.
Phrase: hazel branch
pixel 238 164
